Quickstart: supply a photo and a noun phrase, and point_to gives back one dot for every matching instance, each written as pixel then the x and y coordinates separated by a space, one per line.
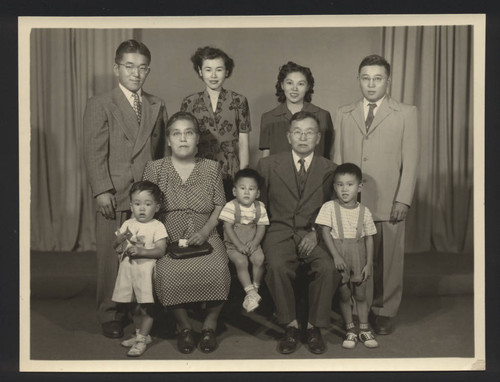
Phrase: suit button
pixel 365 159
pixel 132 161
pixel 155 135
pixel 366 137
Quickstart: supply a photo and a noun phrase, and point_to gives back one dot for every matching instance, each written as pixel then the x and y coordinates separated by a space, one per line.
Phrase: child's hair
pixel 348 168
pixel 248 173
pixel 146 185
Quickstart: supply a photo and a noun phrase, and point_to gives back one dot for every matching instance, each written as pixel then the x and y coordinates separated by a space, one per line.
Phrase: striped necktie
pixel 137 107
pixel 302 175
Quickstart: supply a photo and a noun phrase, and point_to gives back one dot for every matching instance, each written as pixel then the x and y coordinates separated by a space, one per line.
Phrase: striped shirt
pixel 349 218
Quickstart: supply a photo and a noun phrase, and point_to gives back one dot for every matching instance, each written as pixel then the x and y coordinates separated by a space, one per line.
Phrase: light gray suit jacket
pixel 116 148
pixel 387 153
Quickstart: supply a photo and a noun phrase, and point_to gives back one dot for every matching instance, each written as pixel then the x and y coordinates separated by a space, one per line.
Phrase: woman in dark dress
pixel 193 199
pixel 294 89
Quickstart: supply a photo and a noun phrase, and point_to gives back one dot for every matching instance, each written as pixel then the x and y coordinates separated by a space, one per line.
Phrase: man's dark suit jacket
pixel 290 213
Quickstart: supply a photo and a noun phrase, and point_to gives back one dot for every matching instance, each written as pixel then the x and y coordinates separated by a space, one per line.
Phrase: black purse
pixel 178 253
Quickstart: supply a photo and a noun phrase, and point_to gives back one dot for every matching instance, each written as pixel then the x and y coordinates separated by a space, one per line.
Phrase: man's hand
pixel 398 212
pixel 107 204
pixel 307 244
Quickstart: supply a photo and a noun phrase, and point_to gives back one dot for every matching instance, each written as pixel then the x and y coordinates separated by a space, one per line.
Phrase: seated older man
pixel 296 184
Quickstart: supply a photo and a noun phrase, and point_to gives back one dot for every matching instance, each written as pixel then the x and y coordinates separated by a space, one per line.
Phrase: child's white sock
pixel 249 289
pixel 256 286
pixel 349 326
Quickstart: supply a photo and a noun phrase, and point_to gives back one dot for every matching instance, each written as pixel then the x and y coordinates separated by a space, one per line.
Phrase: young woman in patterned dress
pixel 223 115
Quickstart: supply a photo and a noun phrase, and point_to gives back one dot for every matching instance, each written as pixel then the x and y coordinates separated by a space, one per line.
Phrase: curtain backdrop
pixel 432 68
pixel 66 68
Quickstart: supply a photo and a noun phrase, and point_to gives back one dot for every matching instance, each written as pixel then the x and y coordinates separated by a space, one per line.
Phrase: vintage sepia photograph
pixel 252 193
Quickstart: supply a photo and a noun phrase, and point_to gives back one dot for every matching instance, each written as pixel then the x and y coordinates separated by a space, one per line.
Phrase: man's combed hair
pixel 348 168
pixel 132 46
pixel 146 185
pixel 300 115
pixel 375 59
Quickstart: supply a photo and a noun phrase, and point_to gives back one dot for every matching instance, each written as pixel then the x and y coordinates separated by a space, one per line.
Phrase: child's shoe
pixel 350 340
pixel 139 347
pixel 251 301
pixel 132 340
pixel 368 339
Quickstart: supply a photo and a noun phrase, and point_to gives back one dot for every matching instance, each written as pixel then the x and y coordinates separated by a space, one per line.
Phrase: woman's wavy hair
pixel 291 67
pixel 210 53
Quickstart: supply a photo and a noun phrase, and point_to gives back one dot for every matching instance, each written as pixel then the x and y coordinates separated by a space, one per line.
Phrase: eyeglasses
pixel 377 80
pixel 143 69
pixel 189 134
pixel 297 134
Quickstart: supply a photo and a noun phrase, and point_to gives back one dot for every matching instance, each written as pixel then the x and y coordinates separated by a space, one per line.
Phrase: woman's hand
pixel 198 238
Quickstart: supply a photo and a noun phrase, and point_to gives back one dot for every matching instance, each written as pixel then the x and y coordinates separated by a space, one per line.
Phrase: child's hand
pixel 133 252
pixel 251 247
pixel 242 248
pixel 340 263
pixel 366 272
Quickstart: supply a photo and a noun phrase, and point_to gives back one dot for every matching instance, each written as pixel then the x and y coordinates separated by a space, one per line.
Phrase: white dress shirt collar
pixel 307 160
pixel 366 108
pixel 129 95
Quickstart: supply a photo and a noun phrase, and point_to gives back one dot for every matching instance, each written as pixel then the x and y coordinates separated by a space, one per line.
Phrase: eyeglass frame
pixel 297 134
pixel 377 79
pixel 132 68
pixel 177 135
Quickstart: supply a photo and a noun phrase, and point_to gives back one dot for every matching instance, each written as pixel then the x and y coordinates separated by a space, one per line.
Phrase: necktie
pixel 369 118
pixel 137 107
pixel 302 175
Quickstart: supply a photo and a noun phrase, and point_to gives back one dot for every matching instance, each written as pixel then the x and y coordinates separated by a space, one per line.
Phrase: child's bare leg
pixel 240 261
pixel 257 260
pixel 146 321
pixel 345 304
pixel 361 303
pixel 136 316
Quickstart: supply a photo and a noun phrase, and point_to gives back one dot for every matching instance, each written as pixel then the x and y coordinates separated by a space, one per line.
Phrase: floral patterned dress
pixel 185 209
pixel 220 129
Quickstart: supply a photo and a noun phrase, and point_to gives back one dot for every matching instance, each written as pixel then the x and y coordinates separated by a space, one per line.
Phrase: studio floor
pixel 436 318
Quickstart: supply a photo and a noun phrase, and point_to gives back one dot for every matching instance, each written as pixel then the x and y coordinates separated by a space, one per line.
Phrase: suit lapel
pixel 125 115
pixel 286 172
pixel 382 114
pixel 359 116
pixel 150 110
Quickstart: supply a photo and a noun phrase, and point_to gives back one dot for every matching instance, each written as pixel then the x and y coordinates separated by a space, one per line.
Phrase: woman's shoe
pixel 185 341
pixel 208 342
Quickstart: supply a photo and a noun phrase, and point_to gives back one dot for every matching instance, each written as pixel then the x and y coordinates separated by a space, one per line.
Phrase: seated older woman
pixel 193 198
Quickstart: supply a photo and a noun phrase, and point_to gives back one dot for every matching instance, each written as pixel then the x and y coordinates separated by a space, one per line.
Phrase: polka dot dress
pixel 186 207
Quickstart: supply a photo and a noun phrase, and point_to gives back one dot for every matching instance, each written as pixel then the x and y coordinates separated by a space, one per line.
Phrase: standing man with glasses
pixel 296 183
pixel 380 135
pixel 123 129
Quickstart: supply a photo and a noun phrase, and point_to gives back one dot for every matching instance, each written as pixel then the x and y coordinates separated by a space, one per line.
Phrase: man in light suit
pixel 123 129
pixel 296 184
pixel 380 135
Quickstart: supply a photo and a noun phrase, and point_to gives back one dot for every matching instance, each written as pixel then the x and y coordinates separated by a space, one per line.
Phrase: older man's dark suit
pixel 292 216
pixel 116 150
